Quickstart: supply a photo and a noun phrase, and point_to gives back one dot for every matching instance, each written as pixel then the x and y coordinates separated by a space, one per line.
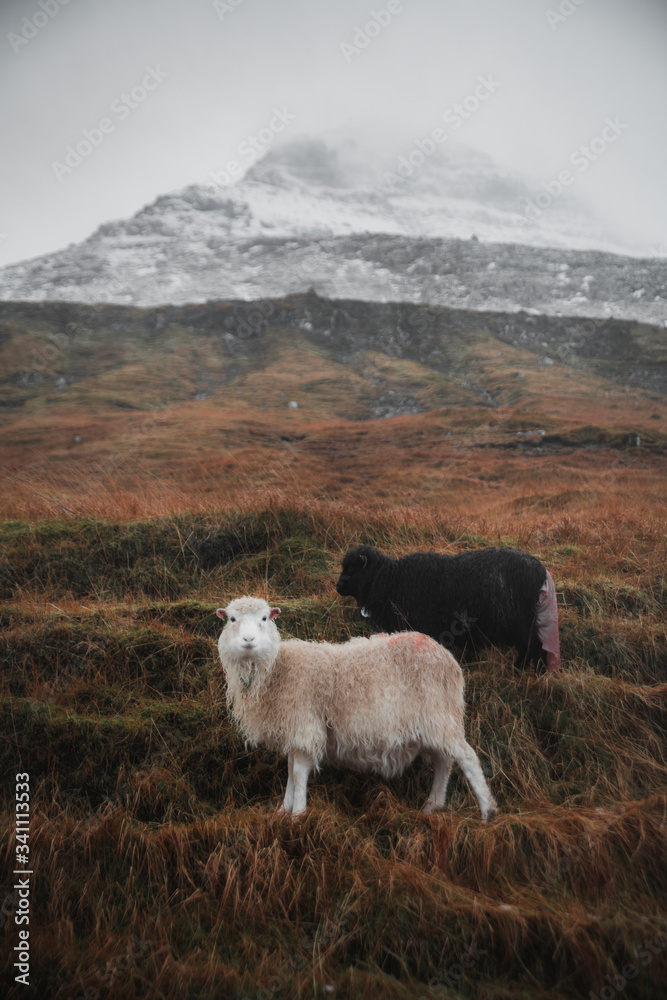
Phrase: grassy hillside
pixel 120 412
pixel 161 868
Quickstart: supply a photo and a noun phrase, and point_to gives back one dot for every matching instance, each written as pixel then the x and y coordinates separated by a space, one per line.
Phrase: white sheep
pixel 369 704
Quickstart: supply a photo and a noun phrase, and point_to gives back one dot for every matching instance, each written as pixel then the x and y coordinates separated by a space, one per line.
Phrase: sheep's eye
pixel 232 619
pixel 264 618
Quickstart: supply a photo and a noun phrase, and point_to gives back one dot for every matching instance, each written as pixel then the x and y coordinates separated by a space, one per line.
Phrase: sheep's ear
pixel 364 561
pixel 221 613
pixel 274 612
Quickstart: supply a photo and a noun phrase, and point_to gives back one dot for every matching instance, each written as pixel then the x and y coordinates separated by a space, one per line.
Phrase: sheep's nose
pixel 249 641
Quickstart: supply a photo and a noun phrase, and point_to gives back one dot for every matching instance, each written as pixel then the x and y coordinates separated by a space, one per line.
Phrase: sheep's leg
pixel 442 763
pixel 536 653
pixel 468 761
pixel 288 802
pixel 301 768
pixel 530 650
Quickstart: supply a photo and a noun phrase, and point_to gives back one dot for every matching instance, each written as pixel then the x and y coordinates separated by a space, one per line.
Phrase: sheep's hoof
pixel 429 807
pixel 490 814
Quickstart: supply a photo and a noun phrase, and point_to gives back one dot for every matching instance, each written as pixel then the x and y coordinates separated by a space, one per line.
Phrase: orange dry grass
pixel 162 869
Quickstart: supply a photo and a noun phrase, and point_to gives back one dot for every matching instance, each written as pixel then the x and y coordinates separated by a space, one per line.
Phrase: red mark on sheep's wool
pixel 417 640
pixel 547 623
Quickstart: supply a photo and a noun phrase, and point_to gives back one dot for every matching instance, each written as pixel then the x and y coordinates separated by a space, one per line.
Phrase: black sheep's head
pixel 358 567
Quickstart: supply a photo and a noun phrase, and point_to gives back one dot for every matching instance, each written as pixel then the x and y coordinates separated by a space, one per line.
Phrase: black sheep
pixel 472 599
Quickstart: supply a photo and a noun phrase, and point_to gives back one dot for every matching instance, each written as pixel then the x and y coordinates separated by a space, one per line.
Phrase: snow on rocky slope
pixel 453 230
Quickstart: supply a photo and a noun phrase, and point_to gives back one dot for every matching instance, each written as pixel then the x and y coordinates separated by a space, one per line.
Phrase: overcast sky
pixel 219 69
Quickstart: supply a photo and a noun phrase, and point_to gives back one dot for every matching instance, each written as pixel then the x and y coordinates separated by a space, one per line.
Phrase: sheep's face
pixel 250 632
pixel 357 572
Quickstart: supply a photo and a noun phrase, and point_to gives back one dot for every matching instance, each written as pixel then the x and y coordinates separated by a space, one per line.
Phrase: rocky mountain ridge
pixel 308 216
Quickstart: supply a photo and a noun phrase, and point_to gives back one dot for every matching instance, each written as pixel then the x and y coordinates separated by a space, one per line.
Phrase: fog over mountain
pixel 550 77
pixel 446 226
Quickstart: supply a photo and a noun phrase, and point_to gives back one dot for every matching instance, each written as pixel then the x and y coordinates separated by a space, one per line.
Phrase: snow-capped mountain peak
pixel 445 225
